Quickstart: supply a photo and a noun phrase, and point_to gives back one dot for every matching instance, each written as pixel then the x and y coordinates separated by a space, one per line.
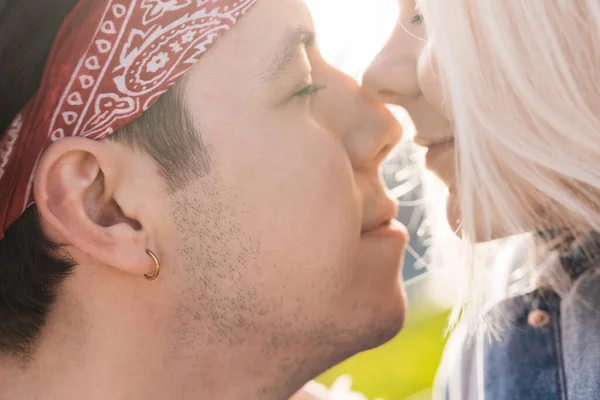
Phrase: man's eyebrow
pixel 297 41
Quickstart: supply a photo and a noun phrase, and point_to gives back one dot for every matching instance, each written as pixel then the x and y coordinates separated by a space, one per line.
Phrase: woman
pixel 507 91
pixel 510 89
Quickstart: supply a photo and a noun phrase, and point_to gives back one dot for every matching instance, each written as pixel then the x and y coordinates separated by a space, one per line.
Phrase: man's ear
pixel 82 194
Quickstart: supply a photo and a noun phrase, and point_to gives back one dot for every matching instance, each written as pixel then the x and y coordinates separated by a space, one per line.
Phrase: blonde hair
pixel 523 81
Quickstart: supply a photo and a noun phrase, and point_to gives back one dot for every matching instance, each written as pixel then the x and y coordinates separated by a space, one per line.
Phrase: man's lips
pixel 386 212
pixel 386 224
pixel 389 229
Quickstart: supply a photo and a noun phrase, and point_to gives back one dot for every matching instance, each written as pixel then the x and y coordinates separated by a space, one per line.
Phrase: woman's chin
pixel 453 211
pixel 482 233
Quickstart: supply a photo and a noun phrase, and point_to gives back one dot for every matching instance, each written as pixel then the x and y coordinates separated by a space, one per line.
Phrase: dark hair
pixel 32 267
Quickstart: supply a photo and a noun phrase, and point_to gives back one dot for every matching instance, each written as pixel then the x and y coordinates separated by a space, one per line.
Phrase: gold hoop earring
pixel 156 267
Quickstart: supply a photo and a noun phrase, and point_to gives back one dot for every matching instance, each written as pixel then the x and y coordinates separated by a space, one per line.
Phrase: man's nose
pixel 376 132
pixel 368 130
pixel 392 76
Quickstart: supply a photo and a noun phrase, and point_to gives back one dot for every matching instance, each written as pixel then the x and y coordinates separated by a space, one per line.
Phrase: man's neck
pixel 105 366
pixel 114 346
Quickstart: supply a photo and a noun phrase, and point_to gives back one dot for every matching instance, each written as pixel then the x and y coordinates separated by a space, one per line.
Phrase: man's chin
pixel 391 321
pixel 368 335
pixel 384 320
pixel 383 297
pixel 371 310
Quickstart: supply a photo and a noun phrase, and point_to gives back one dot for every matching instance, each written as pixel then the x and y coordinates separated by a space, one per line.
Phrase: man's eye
pixel 310 90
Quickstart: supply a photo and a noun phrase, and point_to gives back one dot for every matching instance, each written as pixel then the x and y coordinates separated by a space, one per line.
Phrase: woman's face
pixel 404 73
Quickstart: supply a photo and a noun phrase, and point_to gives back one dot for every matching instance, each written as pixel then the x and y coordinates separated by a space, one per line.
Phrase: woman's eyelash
pixel 417 19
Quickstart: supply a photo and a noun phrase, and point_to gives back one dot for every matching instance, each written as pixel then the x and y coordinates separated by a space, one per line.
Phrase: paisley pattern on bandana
pixel 110 62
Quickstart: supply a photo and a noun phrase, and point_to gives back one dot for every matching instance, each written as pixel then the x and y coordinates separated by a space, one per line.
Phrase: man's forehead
pixel 287 51
pixel 271 21
pixel 264 45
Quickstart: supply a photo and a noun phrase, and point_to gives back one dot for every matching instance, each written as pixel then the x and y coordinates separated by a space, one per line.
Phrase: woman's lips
pixel 436 150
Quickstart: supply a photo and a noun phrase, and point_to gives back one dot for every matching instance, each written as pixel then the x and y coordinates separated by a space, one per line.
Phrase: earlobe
pixel 75 192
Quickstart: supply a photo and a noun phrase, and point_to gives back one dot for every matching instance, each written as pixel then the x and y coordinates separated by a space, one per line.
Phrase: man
pixel 231 242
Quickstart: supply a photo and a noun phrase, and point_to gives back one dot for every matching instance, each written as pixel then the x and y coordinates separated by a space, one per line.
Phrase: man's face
pixel 278 243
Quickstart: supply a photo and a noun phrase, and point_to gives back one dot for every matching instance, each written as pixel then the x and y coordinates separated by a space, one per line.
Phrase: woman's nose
pixel 392 76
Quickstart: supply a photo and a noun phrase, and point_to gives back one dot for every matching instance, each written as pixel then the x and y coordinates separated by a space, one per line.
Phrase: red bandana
pixel 111 60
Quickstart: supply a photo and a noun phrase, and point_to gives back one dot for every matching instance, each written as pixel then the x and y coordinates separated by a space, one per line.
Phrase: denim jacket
pixel 550 349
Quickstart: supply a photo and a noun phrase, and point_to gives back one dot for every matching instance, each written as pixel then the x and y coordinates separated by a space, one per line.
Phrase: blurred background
pixel 351 33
